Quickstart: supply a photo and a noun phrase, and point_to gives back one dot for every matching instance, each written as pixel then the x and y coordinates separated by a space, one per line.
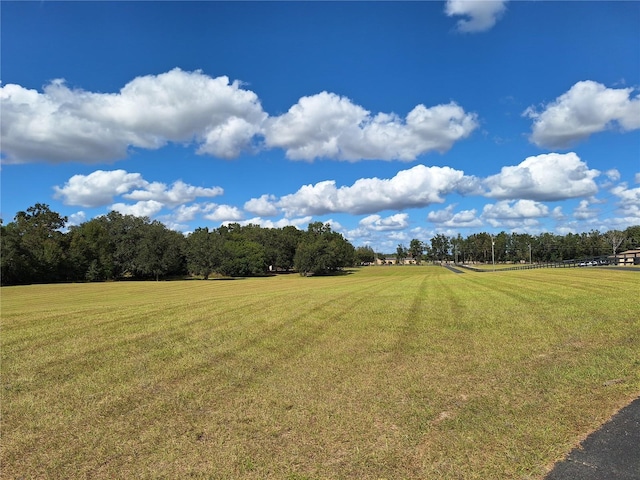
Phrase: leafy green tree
pixel 33 247
pixel 416 250
pixel 287 240
pixel 440 246
pixel 456 247
pixel 365 254
pixel 16 263
pixel 91 251
pixel 243 258
pixel 126 233
pixel 401 254
pixel 280 246
pixel 500 248
pixel 323 251
pixel 632 238
pixel 159 253
pixel 203 252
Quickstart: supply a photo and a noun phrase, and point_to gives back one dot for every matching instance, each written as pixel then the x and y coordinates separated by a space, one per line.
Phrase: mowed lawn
pixel 387 372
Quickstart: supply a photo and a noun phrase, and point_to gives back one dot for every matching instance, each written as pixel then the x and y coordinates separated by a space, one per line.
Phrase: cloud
pixel 63 124
pixel 97 188
pixel 221 118
pixel 547 177
pixel 100 187
pixel 76 218
pixel 329 126
pixel 482 15
pixel 224 213
pixel 416 187
pixel 515 210
pixel 144 208
pixel 583 212
pixel 587 108
pixel 179 193
pixel 447 218
pixel 186 213
pixel 301 223
pixel 263 206
pixel 613 174
pixel 629 197
pixel 399 221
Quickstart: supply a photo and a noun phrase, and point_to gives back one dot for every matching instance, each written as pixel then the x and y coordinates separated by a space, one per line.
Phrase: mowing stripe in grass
pixel 388 372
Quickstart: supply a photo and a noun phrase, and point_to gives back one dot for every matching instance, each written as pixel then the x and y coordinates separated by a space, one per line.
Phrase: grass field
pixel 388 372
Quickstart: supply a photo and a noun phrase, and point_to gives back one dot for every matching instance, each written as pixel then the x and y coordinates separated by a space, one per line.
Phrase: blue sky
pixel 390 120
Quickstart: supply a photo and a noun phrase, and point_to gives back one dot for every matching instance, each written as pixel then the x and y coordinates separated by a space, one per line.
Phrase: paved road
pixel 611 453
pixel 454 270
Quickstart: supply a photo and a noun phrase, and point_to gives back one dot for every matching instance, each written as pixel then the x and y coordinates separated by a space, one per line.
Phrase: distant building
pixel 391 260
pixel 627 258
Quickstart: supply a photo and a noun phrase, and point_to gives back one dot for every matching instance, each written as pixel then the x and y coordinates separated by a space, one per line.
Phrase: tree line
pixel 520 247
pixel 36 249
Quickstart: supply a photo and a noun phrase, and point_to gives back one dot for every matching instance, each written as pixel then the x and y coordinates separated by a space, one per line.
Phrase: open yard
pixel 388 372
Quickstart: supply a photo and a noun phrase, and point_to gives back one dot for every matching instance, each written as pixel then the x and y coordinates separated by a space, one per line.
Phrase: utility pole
pixel 493 256
pixel 530 261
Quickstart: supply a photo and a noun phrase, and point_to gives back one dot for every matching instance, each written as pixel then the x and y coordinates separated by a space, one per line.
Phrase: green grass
pixel 394 372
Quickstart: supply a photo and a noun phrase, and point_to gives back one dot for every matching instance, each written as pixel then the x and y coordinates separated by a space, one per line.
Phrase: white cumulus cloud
pixel 143 208
pixel 62 124
pixel 515 210
pixel 628 196
pixel 300 223
pixel 329 126
pixel 447 218
pixel 224 213
pixel 584 212
pixel 97 188
pixel 587 108
pixel 217 116
pixel 179 193
pixel 263 206
pixel 546 177
pixel 399 221
pixel 100 187
pixel 416 187
pixel 480 15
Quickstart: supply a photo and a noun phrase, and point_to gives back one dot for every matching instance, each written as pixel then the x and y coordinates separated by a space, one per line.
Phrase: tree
pixel 456 245
pixel 500 247
pixel 323 251
pixel 365 255
pixel 401 254
pixel 440 246
pixel 16 264
pixel 91 251
pixel 416 250
pixel 33 247
pixel 615 239
pixel 243 258
pixel 632 238
pixel 125 235
pixel 203 250
pixel 160 252
pixel 284 242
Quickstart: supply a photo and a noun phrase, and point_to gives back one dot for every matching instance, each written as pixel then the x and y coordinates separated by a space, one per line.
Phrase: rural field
pixel 385 372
